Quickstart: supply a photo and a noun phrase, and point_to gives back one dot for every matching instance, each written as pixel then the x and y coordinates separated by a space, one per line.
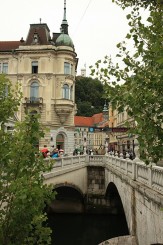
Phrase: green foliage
pixel 22 191
pixel 138 3
pixel 9 99
pixel 142 76
pixel 89 95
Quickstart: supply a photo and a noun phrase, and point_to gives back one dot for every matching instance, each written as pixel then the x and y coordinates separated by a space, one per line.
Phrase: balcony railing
pixel 33 100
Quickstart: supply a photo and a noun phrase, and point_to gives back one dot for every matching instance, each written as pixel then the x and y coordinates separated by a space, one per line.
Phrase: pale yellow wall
pixel 51 79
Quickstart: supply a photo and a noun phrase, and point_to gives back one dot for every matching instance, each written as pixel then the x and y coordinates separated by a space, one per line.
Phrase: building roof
pixel 83 121
pixel 9 45
pixel 95 120
pixel 42 31
pixel 39 34
pixel 64 40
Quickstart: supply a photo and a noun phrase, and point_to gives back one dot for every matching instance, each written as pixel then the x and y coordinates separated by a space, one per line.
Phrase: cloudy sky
pixel 95 26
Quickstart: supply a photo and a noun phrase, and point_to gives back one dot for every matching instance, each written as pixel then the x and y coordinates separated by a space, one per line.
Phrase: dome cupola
pixel 64 40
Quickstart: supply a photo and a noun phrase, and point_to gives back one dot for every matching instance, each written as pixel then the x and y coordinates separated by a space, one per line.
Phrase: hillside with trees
pixel 89 96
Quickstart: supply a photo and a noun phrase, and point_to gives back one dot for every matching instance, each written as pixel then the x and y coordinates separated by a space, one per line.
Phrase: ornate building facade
pixel 45 67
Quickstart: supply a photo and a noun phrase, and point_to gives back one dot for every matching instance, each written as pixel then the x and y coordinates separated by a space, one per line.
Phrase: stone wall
pixel 122 240
pixel 142 206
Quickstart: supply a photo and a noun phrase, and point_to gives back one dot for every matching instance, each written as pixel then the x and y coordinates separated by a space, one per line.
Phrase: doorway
pixel 60 141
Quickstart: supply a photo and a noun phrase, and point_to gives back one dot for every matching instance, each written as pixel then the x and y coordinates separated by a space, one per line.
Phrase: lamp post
pixel 106 147
pixel 85 144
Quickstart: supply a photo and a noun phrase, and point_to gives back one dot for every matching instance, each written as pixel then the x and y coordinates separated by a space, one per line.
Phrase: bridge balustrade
pixel 67 161
pixel 151 176
pixel 137 170
pixel 96 160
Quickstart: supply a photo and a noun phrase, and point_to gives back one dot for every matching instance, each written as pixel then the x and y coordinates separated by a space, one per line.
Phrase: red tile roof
pixel 9 45
pixel 97 118
pixel 42 32
pixel 90 121
pixel 83 121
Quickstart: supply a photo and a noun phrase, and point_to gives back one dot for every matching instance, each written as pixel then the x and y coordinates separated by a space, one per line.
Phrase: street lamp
pixel 106 147
pixel 85 144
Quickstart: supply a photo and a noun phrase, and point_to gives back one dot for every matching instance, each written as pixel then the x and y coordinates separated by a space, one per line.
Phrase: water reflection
pixel 86 229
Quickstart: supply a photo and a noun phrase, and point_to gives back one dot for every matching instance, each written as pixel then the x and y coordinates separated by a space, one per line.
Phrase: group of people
pixel 53 153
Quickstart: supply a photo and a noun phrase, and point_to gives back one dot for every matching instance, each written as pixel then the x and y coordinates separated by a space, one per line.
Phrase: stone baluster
pixel 121 155
pixel 137 159
pixel 127 156
pixel 116 154
pixel 106 148
pixel 136 150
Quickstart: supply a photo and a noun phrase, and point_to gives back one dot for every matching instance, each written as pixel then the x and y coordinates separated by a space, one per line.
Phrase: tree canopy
pixel 89 95
pixel 142 75
pixel 22 189
pixel 138 3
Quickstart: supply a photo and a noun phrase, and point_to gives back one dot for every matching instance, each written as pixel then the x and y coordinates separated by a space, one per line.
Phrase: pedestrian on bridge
pixel 55 153
pixel 45 151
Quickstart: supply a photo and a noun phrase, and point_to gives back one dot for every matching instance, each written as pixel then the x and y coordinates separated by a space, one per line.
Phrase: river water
pixel 85 229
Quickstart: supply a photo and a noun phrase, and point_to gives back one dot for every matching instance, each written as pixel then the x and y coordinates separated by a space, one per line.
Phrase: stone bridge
pixel 119 184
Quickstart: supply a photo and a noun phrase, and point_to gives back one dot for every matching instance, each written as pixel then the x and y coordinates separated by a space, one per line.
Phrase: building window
pixel 65 91
pixel 71 93
pixel 67 68
pixel 35 38
pixel 71 69
pixel 4 68
pixel 34 67
pixel 34 91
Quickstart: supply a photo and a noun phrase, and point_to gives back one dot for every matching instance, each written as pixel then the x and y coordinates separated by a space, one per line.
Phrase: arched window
pixel 34 91
pixel 65 91
pixel 60 141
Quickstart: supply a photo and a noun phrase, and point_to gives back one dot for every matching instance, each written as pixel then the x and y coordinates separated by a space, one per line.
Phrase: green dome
pixel 64 40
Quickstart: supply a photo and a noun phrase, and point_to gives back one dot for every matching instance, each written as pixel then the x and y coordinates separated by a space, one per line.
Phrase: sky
pixel 95 26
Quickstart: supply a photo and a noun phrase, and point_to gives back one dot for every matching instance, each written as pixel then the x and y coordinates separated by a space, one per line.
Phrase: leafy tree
pixel 89 95
pixel 142 76
pixel 138 3
pixel 22 191
pixel 8 103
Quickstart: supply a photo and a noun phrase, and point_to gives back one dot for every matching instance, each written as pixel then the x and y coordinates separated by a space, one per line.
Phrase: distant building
pixel 45 66
pixel 90 129
pixel 120 139
pixel 83 72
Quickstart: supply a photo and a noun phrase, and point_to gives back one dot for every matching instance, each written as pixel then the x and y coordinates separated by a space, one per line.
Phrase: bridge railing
pixel 67 161
pixel 151 176
pixel 135 169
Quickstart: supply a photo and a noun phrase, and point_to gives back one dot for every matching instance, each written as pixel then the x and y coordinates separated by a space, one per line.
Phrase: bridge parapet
pixel 97 160
pixel 64 165
pixel 152 176
pixel 138 171
pixel 67 161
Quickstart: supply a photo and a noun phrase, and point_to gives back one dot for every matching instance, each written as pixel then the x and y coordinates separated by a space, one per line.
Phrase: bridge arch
pixel 69 199
pixel 126 194
pixel 113 196
pixel 71 186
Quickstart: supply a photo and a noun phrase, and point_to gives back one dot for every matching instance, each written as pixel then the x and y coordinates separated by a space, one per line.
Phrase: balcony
pixel 33 102
pixel 63 108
